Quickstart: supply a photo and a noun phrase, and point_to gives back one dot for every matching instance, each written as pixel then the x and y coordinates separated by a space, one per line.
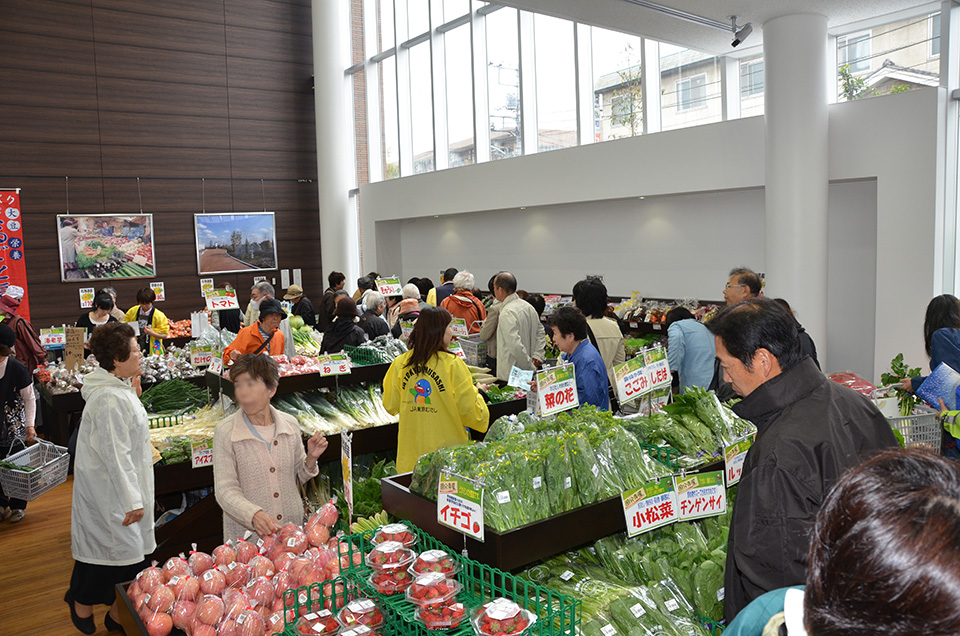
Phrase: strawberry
pixel 396 532
pixel 389 556
pixel 361 612
pixel 440 617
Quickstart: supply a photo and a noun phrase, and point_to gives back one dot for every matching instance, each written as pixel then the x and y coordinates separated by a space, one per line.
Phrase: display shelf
pixel 517 548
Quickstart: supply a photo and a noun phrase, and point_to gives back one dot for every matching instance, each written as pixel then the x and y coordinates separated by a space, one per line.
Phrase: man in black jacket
pixel 810 431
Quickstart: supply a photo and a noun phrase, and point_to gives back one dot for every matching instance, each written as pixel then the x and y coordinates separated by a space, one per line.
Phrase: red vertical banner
pixel 13 265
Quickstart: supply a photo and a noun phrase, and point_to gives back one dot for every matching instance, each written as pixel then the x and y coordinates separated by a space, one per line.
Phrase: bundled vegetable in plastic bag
pixel 562 493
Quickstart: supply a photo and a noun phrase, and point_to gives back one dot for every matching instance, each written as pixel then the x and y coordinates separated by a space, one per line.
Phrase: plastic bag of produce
pixel 562 494
pixel 508 485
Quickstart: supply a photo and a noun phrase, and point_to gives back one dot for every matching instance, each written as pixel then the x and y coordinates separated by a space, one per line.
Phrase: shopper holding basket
pixel 113 497
pixel 19 410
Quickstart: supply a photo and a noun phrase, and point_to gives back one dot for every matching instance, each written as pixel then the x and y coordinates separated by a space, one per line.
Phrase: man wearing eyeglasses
pixel 743 284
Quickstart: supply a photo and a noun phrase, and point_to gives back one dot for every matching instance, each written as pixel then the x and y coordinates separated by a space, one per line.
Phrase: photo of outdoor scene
pixel 235 242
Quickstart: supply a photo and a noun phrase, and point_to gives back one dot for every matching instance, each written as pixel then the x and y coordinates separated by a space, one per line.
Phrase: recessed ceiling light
pixel 523 207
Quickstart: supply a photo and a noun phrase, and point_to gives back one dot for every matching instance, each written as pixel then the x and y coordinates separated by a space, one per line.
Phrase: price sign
pixel 334 364
pixel 206 285
pixel 53 338
pixel 650 506
pixel 201 356
pixel 158 290
pixel 519 378
pixel 557 390
pixel 201 454
pixel 460 327
pixel 701 495
pixel 460 506
pixel 643 374
pixel 73 347
pixel 219 299
pixel 733 457
pixel 456 350
pixel 216 365
pixel 86 297
pixel 406 328
pixel 389 286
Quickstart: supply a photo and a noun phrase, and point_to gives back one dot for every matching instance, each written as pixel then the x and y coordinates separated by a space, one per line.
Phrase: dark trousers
pixel 5 451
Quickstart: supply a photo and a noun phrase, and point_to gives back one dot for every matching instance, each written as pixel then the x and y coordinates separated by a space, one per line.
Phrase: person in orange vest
pixel 260 337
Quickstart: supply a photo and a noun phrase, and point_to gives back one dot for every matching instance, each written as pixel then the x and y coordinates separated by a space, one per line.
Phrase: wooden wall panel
pixel 105 91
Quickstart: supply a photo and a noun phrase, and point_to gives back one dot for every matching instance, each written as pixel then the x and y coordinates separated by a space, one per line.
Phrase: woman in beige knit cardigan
pixel 259 456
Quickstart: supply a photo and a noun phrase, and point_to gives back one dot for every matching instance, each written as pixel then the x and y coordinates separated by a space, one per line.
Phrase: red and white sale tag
pixel 216 365
pixel 220 299
pixel 201 454
pixel 639 376
pixel 650 506
pixel 733 458
pixel 557 390
pixel 201 356
pixel 334 364
pixel 460 327
pixel 702 495
pixel 460 506
pixel 389 286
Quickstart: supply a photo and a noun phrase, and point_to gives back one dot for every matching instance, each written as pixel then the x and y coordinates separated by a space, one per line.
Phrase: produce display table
pixel 517 548
pixel 58 408
pixel 306 382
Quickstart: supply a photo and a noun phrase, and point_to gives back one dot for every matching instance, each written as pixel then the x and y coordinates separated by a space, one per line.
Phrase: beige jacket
pixel 488 332
pixel 520 338
pixel 610 343
pixel 248 478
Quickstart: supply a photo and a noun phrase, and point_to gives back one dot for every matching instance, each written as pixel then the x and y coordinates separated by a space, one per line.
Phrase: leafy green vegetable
pixel 898 372
pixel 173 395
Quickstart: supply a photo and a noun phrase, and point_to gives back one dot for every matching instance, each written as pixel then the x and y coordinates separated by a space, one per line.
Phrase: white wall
pixel 581 193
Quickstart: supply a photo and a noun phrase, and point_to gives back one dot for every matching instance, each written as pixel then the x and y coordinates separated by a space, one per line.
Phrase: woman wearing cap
pixel 29 351
pixel 152 322
pixel 409 312
pixel 301 305
pixel 344 330
pixel 19 411
pixel 260 458
pixel 262 336
pixel 111 526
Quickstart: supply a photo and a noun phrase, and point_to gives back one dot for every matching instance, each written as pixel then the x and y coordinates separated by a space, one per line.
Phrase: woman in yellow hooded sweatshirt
pixel 433 392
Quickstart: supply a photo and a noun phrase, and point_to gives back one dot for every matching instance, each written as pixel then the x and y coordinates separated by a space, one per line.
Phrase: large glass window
pixel 892 58
pixel 462 150
pixel 421 108
pixel 389 124
pixel 690 88
pixel 453 9
pixel 418 17
pixel 360 148
pixel 617 84
pixel 751 86
pixel 503 83
pixel 556 83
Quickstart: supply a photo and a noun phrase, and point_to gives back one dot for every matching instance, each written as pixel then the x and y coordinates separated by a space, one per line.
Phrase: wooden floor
pixel 35 567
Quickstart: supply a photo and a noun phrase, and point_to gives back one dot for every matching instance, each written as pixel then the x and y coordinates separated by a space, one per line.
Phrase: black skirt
pixel 95 584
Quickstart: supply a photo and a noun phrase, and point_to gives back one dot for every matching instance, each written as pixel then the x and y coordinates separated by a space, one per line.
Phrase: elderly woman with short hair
pixel 259 455
pixel 463 304
pixel 113 498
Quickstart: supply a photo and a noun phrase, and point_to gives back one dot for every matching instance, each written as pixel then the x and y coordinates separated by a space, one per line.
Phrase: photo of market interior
pixel 480 318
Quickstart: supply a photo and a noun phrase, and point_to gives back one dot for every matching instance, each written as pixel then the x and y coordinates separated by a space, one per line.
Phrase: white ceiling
pixel 629 18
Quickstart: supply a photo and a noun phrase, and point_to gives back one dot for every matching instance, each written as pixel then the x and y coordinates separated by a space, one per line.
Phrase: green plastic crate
pixel 333 594
pixel 557 614
pixel 669 457
pixel 164 421
pixel 365 356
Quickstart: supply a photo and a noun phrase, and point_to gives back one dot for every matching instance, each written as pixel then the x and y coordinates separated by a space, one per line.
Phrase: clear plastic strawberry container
pixel 502 617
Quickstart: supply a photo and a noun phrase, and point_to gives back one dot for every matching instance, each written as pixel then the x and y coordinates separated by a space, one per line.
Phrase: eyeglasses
pixel 729 286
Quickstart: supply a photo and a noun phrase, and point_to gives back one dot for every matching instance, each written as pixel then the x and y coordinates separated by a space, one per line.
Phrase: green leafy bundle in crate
pixel 557 614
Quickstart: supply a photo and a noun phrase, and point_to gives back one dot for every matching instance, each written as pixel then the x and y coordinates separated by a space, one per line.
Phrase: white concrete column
pixel 794 51
pixel 339 234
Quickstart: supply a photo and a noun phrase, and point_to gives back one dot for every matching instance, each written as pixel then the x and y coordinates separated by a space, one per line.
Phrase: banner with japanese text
pixel 13 265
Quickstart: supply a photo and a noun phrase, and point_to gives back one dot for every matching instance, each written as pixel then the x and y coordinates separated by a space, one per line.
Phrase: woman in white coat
pixel 112 518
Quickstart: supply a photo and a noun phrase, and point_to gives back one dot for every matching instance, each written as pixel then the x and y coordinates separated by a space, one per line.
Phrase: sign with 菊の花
pixel 389 286
pixel 219 299
pixel 701 495
pixel 459 326
pixel 201 454
pixel 643 374
pixel 157 288
pixel 86 297
pixel 206 285
pixel 460 506
pixel 733 458
pixel 334 364
pixel 650 506
pixel 557 390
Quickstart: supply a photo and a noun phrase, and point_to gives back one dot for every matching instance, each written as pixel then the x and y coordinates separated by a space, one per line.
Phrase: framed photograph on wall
pixel 231 242
pixel 105 246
